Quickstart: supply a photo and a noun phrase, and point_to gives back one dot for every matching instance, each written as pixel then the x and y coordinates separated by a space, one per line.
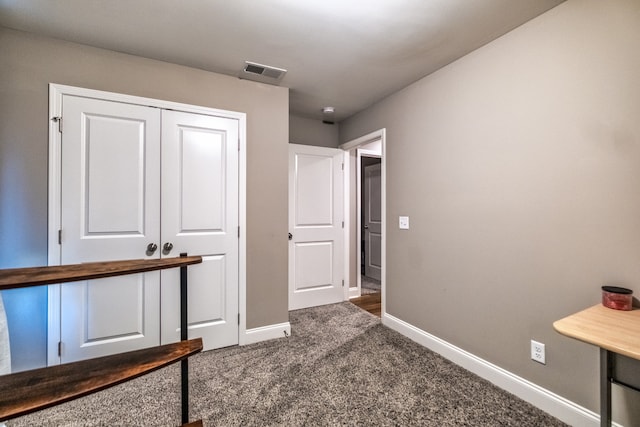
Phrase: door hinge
pixel 343 166
pixel 59 237
pixel 58 120
pixel 59 348
pixel 238 232
pixel 343 283
pixel 342 224
pixel 238 318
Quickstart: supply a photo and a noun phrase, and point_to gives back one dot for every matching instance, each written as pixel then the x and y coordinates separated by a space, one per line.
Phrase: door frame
pixel 350 192
pixel 56 92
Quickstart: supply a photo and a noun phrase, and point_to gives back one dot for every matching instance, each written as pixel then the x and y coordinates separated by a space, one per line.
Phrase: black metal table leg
pixel 606 375
pixel 184 364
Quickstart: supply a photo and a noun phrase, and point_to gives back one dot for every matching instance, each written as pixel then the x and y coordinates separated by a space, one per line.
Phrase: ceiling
pixel 342 53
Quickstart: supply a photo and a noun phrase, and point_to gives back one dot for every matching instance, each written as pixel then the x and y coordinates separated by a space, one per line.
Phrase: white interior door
pixel 110 203
pixel 372 222
pixel 200 217
pixel 315 226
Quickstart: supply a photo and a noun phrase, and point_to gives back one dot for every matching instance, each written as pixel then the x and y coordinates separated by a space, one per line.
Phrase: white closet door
pixel 200 217
pixel 110 187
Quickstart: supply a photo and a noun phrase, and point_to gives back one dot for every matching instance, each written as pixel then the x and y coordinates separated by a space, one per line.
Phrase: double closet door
pixel 141 182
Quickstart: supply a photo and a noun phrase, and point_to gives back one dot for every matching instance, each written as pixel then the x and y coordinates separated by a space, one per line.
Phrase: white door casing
pixel 372 144
pixel 315 226
pixel 372 221
pixel 116 221
pixel 110 203
pixel 201 220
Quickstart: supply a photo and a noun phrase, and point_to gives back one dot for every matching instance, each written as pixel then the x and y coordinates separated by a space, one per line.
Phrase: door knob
pixel 151 248
pixel 366 226
pixel 166 248
pixel 290 236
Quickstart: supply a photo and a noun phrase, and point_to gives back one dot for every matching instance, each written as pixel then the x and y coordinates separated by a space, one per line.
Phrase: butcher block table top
pixel 615 330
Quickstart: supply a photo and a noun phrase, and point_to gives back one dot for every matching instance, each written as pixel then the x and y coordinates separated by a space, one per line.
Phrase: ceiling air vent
pixel 262 73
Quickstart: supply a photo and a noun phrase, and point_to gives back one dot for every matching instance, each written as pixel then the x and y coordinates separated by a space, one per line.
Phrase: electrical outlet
pixel 537 352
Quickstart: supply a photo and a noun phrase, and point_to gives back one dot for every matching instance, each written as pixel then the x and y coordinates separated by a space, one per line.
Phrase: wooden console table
pixel 616 332
pixel 26 392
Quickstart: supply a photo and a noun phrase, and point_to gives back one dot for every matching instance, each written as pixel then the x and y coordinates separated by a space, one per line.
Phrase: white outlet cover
pixel 538 352
pixel 403 222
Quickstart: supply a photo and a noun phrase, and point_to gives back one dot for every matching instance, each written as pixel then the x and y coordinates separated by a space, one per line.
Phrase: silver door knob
pixel 151 248
pixel 166 248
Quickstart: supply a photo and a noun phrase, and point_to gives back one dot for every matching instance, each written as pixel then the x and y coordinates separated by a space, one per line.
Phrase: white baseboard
pixel 264 333
pixel 561 408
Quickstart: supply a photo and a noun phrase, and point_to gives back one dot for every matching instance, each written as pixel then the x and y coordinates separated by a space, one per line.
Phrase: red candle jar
pixel 617 298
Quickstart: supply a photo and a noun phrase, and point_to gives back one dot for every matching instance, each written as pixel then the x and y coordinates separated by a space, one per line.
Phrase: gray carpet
pixel 339 367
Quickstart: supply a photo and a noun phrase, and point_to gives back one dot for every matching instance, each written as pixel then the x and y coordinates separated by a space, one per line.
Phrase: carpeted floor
pixel 339 367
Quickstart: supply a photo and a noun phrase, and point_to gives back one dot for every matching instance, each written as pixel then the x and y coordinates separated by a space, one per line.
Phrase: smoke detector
pixel 262 73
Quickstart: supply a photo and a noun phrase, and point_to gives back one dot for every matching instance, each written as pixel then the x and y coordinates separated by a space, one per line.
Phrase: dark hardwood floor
pixel 370 302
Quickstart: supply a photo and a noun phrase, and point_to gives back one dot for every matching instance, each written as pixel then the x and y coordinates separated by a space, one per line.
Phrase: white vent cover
pixel 262 73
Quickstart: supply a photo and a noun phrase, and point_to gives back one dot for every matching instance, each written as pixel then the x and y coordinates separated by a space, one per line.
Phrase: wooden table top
pixel 614 330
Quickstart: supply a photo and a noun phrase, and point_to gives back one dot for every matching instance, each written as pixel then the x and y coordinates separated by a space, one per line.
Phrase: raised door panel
pixel 109 316
pixel 202 162
pixel 314 191
pixel 313 265
pixel 210 315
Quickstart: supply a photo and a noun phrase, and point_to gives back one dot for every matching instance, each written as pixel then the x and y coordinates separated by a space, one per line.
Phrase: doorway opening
pixel 365 220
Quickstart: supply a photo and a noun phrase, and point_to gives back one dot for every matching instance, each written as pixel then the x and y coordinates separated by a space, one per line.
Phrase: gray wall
pixel 312 132
pixel 519 166
pixel 29 63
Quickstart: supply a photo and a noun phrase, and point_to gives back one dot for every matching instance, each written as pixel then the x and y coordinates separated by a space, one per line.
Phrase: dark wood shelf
pixel 35 276
pixel 26 392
